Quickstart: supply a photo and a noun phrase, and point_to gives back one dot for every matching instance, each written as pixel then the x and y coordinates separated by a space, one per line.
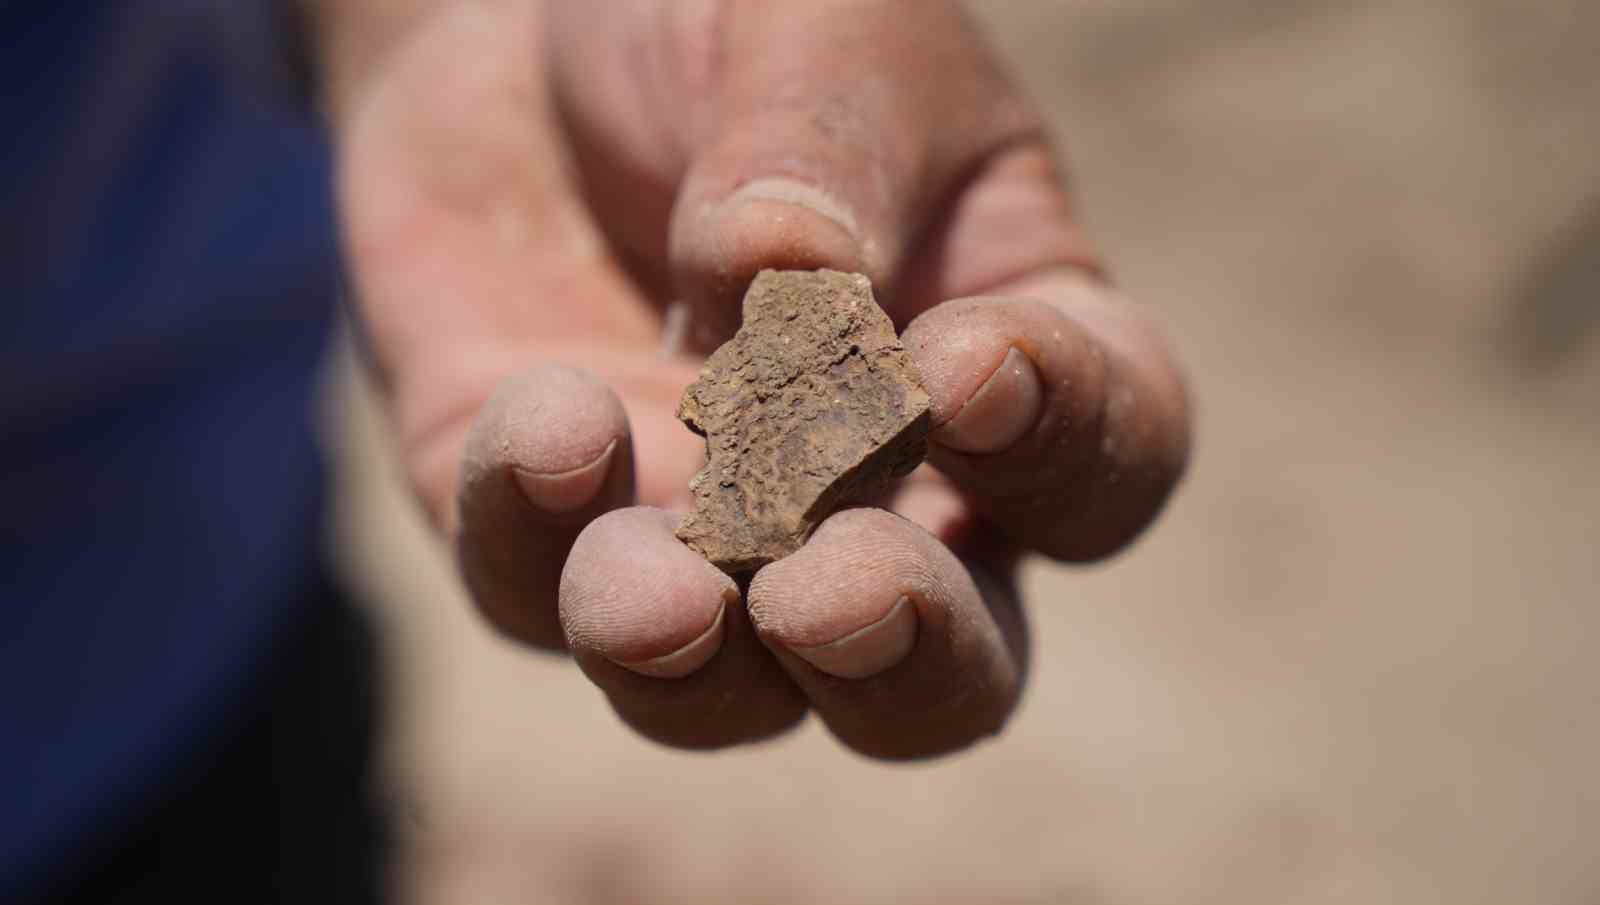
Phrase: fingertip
pixel 691 656
pixel 870 649
pixel 547 452
pixel 1110 437
pixel 977 361
pixel 845 603
pixel 561 431
pixel 823 219
pixel 632 594
pixel 1004 408
pixel 768 223
pixel 566 491
pixel 664 635
pixel 892 640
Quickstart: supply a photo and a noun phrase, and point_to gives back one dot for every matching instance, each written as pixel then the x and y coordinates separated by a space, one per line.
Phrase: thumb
pixel 837 134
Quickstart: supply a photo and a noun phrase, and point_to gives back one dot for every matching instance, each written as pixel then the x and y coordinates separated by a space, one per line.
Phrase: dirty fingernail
pixel 567 491
pixel 789 191
pixel 999 413
pixel 869 650
pixel 686 659
pixel 784 224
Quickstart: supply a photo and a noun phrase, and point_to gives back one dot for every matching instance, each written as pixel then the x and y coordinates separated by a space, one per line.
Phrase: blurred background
pixel 1355 663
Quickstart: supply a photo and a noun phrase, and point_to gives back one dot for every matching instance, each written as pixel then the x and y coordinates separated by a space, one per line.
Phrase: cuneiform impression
pixel 812 404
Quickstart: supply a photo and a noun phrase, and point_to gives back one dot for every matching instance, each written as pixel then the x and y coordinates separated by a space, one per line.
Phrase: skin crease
pixel 525 188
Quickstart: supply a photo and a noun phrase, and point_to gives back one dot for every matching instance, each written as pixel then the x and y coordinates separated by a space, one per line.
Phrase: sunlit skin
pixel 551 212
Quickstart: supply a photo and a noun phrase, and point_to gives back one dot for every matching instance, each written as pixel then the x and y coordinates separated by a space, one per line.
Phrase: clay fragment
pixel 814 403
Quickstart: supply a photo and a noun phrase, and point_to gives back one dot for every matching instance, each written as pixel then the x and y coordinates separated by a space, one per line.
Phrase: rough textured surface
pixel 813 403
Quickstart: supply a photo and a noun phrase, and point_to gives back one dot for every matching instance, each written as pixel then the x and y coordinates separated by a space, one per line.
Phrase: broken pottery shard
pixel 813 403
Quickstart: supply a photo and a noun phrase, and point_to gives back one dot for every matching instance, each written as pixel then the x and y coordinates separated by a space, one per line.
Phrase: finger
pixel 550 451
pixel 666 637
pixel 1056 409
pixel 837 132
pixel 471 253
pixel 890 637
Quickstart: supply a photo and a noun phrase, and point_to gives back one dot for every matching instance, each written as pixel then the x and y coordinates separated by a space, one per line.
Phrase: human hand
pixel 526 191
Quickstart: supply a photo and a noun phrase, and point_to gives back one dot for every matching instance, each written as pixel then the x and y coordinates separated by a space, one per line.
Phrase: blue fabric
pixel 168 261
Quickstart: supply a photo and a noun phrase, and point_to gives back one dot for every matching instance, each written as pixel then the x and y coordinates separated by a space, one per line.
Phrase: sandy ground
pixel 1356 663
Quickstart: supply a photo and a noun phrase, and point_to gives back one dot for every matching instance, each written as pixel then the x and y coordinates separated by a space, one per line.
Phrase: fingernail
pixel 785 223
pixel 870 650
pixel 790 191
pixel 567 491
pixel 687 658
pixel 1003 409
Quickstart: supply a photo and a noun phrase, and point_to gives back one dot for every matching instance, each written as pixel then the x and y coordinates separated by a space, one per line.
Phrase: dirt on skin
pixel 812 404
